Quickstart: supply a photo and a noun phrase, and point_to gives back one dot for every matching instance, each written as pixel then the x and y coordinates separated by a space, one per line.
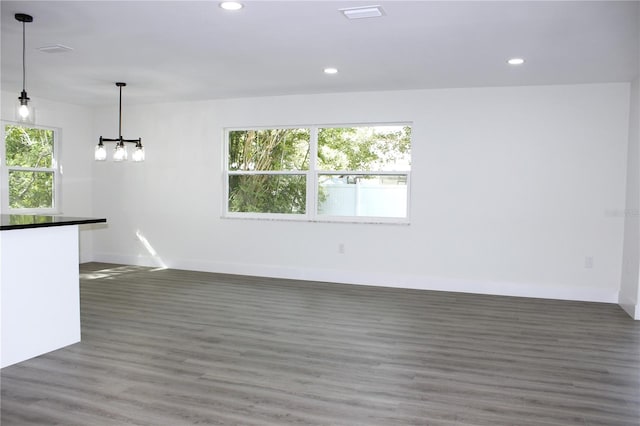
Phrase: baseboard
pixel 150 261
pixel 418 282
pixel 630 307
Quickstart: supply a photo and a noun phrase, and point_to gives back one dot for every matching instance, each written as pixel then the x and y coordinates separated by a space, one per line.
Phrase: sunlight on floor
pixel 127 269
pixel 111 272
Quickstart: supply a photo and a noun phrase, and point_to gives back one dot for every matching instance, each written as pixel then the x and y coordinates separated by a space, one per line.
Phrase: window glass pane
pixel 374 148
pixel 269 149
pixel 267 193
pixel 30 190
pixel 369 196
pixel 28 147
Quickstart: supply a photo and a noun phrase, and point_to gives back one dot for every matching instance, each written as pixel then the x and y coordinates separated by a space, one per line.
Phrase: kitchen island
pixel 39 284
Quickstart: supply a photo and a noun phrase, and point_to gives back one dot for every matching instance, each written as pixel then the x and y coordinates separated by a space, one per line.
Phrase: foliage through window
pixel 358 173
pixel 30 176
pixel 267 170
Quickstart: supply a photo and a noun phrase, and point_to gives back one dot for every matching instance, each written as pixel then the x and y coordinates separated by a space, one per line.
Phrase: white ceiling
pixel 192 50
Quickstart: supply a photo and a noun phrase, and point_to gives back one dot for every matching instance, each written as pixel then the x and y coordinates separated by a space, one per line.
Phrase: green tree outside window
pixel 267 168
pixel 29 158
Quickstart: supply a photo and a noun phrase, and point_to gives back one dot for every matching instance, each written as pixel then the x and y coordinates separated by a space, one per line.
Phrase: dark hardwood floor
pixel 169 347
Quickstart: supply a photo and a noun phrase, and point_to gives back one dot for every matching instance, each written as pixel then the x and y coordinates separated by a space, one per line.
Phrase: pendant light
pixel 120 151
pixel 25 113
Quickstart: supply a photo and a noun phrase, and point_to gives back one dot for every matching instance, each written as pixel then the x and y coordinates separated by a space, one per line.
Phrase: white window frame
pixel 56 168
pixel 312 177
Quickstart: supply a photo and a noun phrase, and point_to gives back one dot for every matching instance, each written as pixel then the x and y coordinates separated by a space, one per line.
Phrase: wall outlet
pixel 588 262
pixel 341 248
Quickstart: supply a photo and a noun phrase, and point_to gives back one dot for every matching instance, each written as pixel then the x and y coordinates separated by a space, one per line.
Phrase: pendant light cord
pixel 24 67
pixel 120 116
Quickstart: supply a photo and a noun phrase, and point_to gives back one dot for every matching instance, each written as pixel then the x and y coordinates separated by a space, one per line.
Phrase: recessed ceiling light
pixel 331 70
pixel 231 5
pixel 374 11
pixel 515 61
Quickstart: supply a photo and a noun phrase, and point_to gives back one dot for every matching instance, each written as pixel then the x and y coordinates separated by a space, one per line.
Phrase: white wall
pixel 75 123
pixel 630 283
pixel 512 188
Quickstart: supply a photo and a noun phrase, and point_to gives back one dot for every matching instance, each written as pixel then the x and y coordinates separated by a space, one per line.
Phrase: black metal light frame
pixel 120 139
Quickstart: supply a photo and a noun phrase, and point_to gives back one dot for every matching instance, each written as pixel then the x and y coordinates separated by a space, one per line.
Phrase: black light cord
pixel 120 115
pixel 24 66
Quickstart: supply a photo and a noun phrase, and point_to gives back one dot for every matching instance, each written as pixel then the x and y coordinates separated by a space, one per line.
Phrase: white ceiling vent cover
pixel 55 48
pixel 362 12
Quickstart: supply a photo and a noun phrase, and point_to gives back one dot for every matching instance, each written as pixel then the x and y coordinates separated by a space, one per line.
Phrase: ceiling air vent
pixel 54 48
pixel 362 12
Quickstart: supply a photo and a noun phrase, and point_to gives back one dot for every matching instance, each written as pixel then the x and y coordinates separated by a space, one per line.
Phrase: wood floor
pixel 169 347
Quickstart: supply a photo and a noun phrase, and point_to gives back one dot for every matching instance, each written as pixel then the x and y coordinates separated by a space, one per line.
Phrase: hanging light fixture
pixel 120 152
pixel 25 113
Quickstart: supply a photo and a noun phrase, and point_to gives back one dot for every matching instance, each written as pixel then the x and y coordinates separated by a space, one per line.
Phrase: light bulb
pixel 120 153
pixel 138 154
pixel 24 111
pixel 101 153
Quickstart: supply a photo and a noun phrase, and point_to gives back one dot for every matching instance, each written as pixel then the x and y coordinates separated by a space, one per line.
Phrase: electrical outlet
pixel 588 262
pixel 341 248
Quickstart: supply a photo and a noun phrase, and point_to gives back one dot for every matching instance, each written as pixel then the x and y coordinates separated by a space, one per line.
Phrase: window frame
pixel 312 178
pixel 56 169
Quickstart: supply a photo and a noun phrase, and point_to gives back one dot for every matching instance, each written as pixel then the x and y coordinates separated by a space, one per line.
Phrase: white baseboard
pixel 149 261
pixel 419 282
pixel 630 307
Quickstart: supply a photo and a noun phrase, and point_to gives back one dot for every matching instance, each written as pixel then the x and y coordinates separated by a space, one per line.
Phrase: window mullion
pixel 267 172
pixel 32 169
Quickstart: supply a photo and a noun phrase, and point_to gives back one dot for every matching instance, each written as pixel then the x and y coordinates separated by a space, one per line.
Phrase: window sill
pixel 346 220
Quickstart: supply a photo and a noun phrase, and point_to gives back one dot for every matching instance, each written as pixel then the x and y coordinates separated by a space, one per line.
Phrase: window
pixel 319 173
pixel 30 175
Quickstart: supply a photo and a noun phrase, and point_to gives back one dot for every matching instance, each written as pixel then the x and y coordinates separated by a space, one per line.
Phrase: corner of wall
pixel 629 294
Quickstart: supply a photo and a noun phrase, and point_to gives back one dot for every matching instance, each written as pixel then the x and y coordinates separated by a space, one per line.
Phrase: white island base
pixel 39 291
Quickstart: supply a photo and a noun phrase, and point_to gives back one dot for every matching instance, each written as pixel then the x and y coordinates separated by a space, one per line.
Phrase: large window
pixel 30 173
pixel 323 173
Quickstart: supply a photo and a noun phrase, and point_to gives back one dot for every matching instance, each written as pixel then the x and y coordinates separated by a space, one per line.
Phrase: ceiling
pixel 194 50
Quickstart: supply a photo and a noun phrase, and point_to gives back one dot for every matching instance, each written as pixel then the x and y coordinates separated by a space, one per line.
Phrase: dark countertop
pixel 24 221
